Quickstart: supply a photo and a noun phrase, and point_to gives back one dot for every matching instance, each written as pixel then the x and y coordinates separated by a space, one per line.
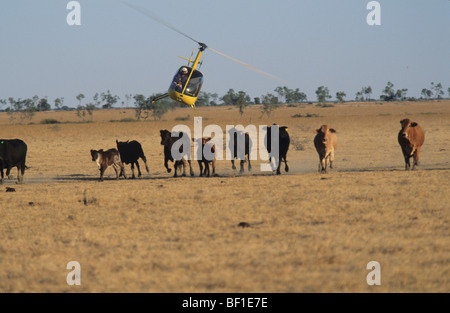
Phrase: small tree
pixel 438 90
pixel 81 112
pixel 140 105
pixel 240 99
pixel 270 103
pixel 302 97
pixel 389 94
pixel 80 98
pixel 340 95
pixel 128 97
pixel 59 103
pixel 29 108
pixel 109 100
pixel 367 91
pixel 43 105
pixel 288 95
pixel 322 94
pixel 2 102
pixel 427 93
pixel 145 105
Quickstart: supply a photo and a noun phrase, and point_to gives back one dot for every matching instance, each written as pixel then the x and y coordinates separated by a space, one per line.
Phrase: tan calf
pixel 325 142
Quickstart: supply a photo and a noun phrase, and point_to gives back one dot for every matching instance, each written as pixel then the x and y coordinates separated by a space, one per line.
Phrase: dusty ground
pixel 309 232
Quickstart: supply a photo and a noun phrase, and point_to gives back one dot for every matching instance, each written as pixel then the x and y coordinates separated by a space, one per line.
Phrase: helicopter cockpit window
pixel 195 84
pixel 180 79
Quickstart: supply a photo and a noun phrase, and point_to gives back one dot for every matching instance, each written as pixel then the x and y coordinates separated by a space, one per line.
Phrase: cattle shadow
pixel 389 169
pixel 86 178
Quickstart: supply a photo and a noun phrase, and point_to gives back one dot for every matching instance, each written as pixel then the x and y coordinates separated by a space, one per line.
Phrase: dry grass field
pixel 311 232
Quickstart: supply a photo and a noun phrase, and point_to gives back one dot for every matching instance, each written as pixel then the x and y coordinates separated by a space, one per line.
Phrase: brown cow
pixel 107 158
pixel 325 142
pixel 204 160
pixel 410 138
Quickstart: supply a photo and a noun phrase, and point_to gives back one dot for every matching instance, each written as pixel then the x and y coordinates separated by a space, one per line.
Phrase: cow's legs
pixel 242 166
pixel 166 165
pixel 19 174
pixel 191 171
pixel 139 169
pixel 200 165
pixel 286 167
pixel 184 166
pixel 122 170
pixel 323 164
pixel 116 169
pixel 407 163
pixel 416 158
pixel 8 172
pixel 232 165
pixel 102 171
pixel 249 163
pixel 145 162
pixel 1 180
pixel 176 166
pixel 207 170
pixel 331 157
pixel 132 171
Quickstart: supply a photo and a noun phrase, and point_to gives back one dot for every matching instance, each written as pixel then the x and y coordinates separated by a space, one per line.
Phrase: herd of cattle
pixel 13 152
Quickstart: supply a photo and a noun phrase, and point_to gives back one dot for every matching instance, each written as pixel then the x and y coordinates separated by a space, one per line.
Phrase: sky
pixel 307 43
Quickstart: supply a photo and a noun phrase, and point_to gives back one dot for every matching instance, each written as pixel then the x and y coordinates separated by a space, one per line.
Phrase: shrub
pixel 124 120
pixel 183 118
pixel 50 121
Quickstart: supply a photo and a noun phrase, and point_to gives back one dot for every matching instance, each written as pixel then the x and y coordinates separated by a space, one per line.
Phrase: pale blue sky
pixel 307 43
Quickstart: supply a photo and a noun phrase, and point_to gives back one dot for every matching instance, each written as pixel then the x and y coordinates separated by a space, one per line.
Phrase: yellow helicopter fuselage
pixel 188 91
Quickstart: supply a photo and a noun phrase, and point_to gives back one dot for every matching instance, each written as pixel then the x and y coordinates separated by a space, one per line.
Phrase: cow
pixel 283 146
pixel 411 138
pixel 240 154
pixel 167 141
pixel 107 158
pixel 13 153
pixel 325 142
pixel 130 152
pixel 205 160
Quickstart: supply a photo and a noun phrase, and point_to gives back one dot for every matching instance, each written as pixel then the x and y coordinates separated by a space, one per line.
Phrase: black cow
pixel 130 152
pixel 240 136
pixel 205 162
pixel 13 153
pixel 167 141
pixel 283 146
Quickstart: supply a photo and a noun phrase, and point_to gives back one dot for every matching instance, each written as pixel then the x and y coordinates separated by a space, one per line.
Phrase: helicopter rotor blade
pixel 255 69
pixel 152 16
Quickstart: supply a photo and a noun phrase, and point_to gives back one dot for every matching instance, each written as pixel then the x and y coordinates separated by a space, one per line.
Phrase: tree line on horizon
pixel 24 109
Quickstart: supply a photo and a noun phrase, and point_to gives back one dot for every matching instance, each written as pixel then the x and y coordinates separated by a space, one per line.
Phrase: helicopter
pixel 187 82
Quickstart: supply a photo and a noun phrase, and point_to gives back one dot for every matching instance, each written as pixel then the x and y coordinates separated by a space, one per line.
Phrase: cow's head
pixel 164 135
pixel 406 125
pixel 324 132
pixel 94 154
pixel 205 140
